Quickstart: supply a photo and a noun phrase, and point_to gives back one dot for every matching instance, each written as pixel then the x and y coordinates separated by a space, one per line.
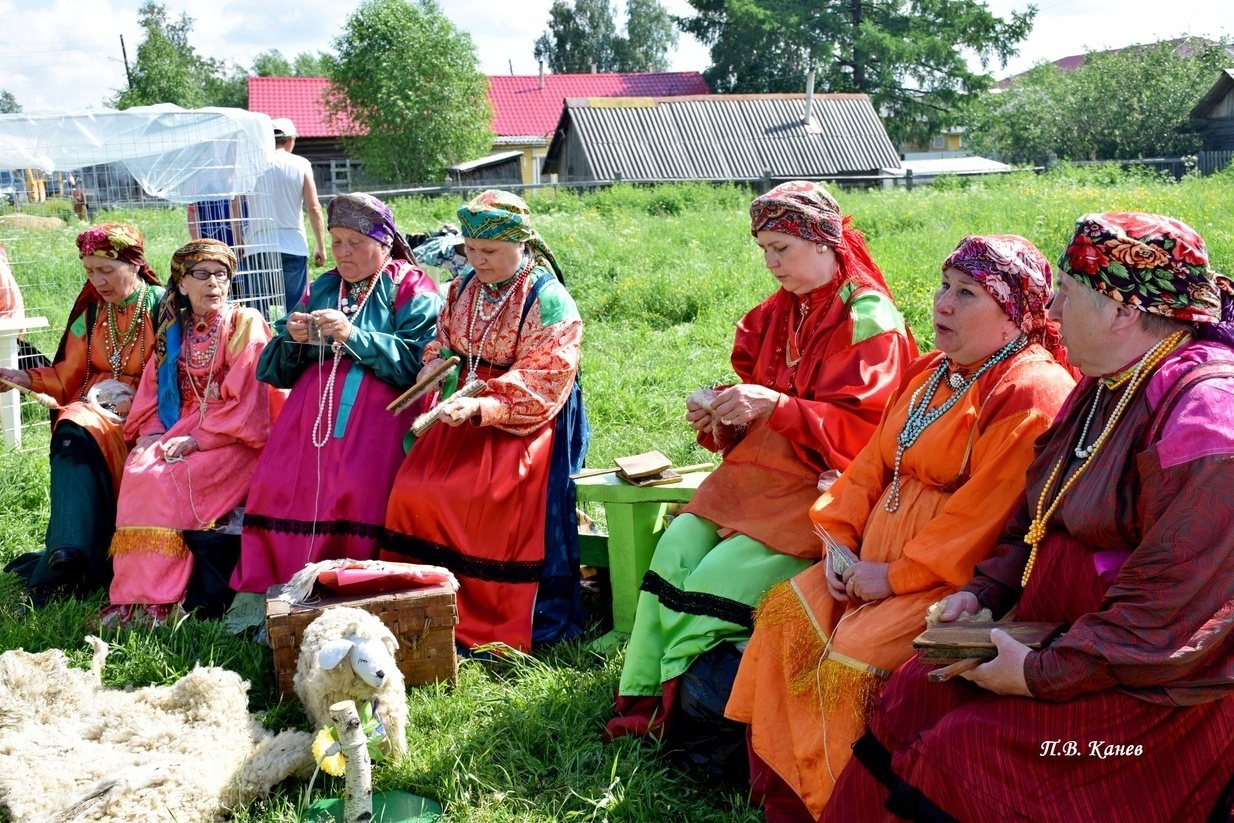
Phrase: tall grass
pixel 661 275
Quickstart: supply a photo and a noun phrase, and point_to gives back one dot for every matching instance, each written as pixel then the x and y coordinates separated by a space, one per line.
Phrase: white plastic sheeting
pixel 181 155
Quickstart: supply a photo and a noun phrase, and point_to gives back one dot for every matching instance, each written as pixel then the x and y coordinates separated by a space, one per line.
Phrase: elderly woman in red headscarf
pixel 200 419
pixel 109 338
pixel 815 364
pixel 920 506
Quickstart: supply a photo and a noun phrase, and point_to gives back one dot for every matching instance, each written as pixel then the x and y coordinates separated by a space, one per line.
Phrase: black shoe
pixel 66 559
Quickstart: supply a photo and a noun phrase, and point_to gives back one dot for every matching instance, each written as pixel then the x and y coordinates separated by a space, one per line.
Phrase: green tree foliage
pixel 168 69
pixel 408 77
pixel 1117 105
pixel 583 33
pixel 8 103
pixel 910 56
pixel 650 36
pixel 308 64
pixel 272 63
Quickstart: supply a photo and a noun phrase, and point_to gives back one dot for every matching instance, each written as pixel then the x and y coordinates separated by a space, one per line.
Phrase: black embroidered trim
pixel 303 527
pixel 464 565
pixel 700 603
pixel 906 800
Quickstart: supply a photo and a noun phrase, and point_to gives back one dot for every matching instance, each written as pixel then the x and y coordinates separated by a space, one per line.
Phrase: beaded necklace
pixel 116 358
pixel 1143 371
pixel 499 303
pixel 351 296
pixel 792 351
pixel 207 332
pixel 210 390
pixel 921 417
pixel 325 407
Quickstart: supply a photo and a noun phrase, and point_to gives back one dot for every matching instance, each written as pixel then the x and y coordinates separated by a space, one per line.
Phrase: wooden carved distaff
pixel 425 421
pixel 430 382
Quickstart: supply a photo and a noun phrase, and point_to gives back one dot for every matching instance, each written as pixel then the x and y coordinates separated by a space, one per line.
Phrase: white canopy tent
pixel 181 155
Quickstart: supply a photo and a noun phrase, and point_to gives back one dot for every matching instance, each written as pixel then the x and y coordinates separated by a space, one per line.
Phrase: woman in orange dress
pixel 109 338
pixel 920 506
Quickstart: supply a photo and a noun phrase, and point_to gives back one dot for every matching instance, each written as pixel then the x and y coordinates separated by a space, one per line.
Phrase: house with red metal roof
pixel 526 110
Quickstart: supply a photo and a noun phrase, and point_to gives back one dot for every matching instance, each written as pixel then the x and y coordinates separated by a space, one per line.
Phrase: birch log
pixel 358 799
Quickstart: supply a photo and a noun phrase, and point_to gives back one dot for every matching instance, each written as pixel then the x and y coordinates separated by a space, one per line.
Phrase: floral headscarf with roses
pixel 1018 277
pixel 1153 263
pixel 114 241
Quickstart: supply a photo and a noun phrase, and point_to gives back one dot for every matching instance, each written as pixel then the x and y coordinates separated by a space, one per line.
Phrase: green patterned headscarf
pixel 501 215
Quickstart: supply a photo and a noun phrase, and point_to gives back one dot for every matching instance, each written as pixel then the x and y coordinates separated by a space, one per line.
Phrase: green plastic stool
pixel 388 807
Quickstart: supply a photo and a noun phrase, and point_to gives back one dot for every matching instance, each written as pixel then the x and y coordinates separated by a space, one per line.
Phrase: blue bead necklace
pixel 920 416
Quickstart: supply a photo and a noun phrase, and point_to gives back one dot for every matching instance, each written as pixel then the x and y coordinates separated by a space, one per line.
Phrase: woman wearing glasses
pixel 200 419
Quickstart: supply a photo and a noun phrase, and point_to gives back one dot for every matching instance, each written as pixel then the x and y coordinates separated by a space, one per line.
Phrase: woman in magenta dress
pixel 322 482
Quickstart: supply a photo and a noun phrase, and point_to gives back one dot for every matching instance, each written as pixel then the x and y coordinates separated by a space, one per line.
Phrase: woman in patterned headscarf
pixel 321 485
pixel 105 346
pixel 488 495
pixel 815 364
pixel 199 420
pixel 920 506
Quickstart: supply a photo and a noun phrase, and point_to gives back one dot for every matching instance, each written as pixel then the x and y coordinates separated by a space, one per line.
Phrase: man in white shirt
pixel 276 222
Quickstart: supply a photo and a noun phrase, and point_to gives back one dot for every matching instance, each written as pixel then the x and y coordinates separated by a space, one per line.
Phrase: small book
pixel 953 642
pixel 642 465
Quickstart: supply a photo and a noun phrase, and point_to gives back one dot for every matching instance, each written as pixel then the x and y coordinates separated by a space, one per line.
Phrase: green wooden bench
pixel 635 516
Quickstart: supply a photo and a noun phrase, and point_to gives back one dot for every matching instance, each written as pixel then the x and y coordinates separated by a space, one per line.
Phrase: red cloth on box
pixel 397 577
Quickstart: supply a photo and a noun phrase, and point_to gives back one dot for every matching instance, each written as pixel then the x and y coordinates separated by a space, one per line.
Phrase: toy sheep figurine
pixel 348 654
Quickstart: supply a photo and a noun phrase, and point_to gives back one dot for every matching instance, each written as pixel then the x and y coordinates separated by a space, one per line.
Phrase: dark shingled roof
pixel 724 137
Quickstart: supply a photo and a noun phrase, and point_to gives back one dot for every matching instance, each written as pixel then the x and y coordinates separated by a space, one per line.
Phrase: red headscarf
pixel 115 241
pixel 807 210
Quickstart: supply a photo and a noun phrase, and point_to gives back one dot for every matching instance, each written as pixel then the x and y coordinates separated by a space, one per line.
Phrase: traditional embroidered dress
pixel 814 665
pixel 1139 560
pixel 161 500
pixel 1125 534
pixel 834 355
pixel 307 503
pixel 88 449
pixel 492 500
pixel 475 498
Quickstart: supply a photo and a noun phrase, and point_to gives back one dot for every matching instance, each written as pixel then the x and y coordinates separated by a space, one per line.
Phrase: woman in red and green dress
pixel 815 364
pixel 109 337
pixel 487 493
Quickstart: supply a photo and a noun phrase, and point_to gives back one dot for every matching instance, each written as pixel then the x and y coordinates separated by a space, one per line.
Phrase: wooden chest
pixel 421 620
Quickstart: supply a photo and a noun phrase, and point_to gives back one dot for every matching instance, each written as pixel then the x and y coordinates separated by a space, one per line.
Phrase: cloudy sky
pixel 64 55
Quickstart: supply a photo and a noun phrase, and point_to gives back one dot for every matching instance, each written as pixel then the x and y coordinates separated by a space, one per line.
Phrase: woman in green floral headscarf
pixel 488 495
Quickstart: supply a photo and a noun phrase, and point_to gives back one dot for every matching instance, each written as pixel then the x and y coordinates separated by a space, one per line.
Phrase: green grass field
pixel 660 275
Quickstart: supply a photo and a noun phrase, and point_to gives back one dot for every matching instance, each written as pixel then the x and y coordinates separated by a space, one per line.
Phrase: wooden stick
pixel 422 387
pixel 694 467
pixel 42 399
pixel 945 673
pixel 425 421
pixel 592 473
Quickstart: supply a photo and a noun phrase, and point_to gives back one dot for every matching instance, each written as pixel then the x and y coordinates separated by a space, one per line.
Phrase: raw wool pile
pixel 71 750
